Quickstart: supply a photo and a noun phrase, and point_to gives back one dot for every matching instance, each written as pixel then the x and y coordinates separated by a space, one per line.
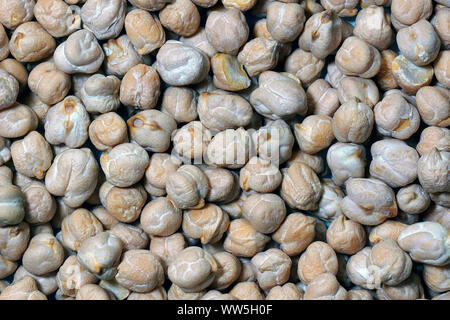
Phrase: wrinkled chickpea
pixel 167 248
pixel 264 211
pixel 229 73
pixel 433 104
pixel 9 88
pixel 404 13
pixel 207 224
pixel 24 289
pixel 104 18
pixel 365 90
pixel 243 240
pixel 14 241
pixel 409 76
pixel 133 237
pixel 433 171
pixel 16 69
pixel 442 68
pixel 346 160
pixel 160 217
pixel 314 134
pixel 93 292
pixel 285 21
pixel 247 290
pixel 181 17
pixel 373 26
pixel 43 255
pixel 304 65
pixel 120 56
pixel 385 78
pixel 45 283
pixel 78 226
pixel 413 199
pixel 224 186
pixel 72 276
pixel 272 268
pixel 346 236
pixel 107 131
pixel 439 214
pixel 4 46
pixel 325 287
pixel 259 175
pixel 259 55
pixel 318 258
pixel 228 270
pixel 200 41
pixel 295 233
pixel 57 17
pixel 150 5
pixel 39 204
pixel 410 289
pixel 191 141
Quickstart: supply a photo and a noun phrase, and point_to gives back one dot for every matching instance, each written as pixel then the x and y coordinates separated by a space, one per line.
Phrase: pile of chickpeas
pixel 228 150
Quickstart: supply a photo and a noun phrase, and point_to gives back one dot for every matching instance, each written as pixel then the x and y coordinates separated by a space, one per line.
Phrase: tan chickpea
pixel 439 23
pixel 410 289
pixel 240 5
pixel 259 55
pixel 385 78
pixel 304 65
pixel 373 26
pixel 62 211
pixel 272 268
pixel 329 204
pixel 200 41
pixel 334 75
pixel 314 134
pixel 409 76
pixel 40 205
pixel 207 224
pixel 229 148
pixel 247 290
pixel 125 164
pixel 346 160
pixel 106 219
pixel 43 255
pixel 121 56
pixel 368 201
pixel 180 103
pixel 265 211
pixel 191 141
pixel 434 105
pixel 24 289
pixel 150 5
pixel 355 57
pixel 437 278
pixel 228 72
pixel 140 87
pixel 325 287
pixel 180 65
pixel 181 17
pixel 226 30
pixel 16 69
pixel 346 236
pixel 80 53
pixel 41 228
pixel 314 161
pixel 161 165
pixel 158 293
pixel 6 174
pixel 57 17
pixel 72 276
pixel 442 68
pixel 78 226
pixel 107 131
pixel 342 7
pixel 439 214
pixel 16 12
pixel 73 176
pixel 7 268
pixel 193 269
pixel 4 44
pixel 100 94
pixel 413 199
pixel 365 90
pixel 14 241
pixel 285 21
pixel 322 34
pixel 426 242
pixel 176 293
pixel 433 171
pixel 404 13
pixel 104 18
pixel 93 292
pixel 9 88
pixel 243 240
pixel 160 217
pixel 40 108
pixel 259 175
pixel 45 283
pixel 301 188
pixel 12 205
pixel 167 248
pixel 272 85
pixel 247 274
pixel 228 270
pixel 318 258
pixel 288 291
pixel 133 237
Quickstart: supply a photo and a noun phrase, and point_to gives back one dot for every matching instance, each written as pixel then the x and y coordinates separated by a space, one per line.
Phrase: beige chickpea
pixel 125 164
pixel 78 226
pixel 425 45
pixel 104 18
pixel 437 278
pixel 180 103
pixel 24 289
pixel 48 83
pixel 121 56
pixel 264 211
pixel 438 21
pixel 3 285
pixel 272 85
pixel 387 230
pixel 259 55
pixel 45 283
pixel 409 76
pixel 272 268
pixel 314 134
pixel 150 5
pixel 259 175
pixel 404 13
pixel 301 188
pixel 7 267
pixel 247 290
pixel 226 30
pixel 144 31
pixel 318 258
pixel 322 34
pixel 355 57
pixel 325 287
pixel 9 88
pixel 413 199
pixel 295 234
pixel 12 205
pixel 243 240
pixel 67 123
pixel 161 165
pixel 73 176
pixel 30 43
pixel 140 271
pixel 314 161
pixel 304 65
pixel 285 21
pixel 16 69
pixel 240 5
pixel 288 291
pixel 229 148
pixel 433 171
pixel 57 17
pixel 167 248
pixel 14 241
pixel 40 205
pixel 41 228
pixel 373 26
pixel 334 75
pixel 410 289
pixel 176 293
pixel 161 218
pixel 346 236
pixel 4 44
pixel 224 186
pixel 181 17
pixel 62 210
pixel 6 174
pixel 346 160
pixel 433 104
pixel 274 142
pixel 72 276
pixel 158 293
pixel 229 73
pixel 106 219
pixel 442 68
pixel 193 269
pixel 217 295
pixel 219 111
pixel 93 292
pixel 107 131
pixel 187 187
pixel 385 77
pixel 40 108
pixel 439 214
pixel 344 8
pixel 426 242
pixel 80 53
pixel 100 94
pixel 365 90
pixel 228 270
pixel 180 65
pixel 200 41
pixel 16 12
pixel 191 141
pixel 207 224
pixel 140 87
pixel 43 255
pixel 133 237
pixel 367 3
pixel 329 205
pixel 247 273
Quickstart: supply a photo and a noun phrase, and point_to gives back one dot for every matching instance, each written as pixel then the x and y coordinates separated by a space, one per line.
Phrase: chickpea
pixel 14 241
pixel 150 5
pixel 57 17
pixel 243 240
pixel 312 160
pixel 45 283
pixel 80 53
pixel 7 268
pixel 144 31
pixel 181 17
pixel 158 293
pixel 39 204
pixel 30 43
pixel 106 219
pixel 441 68
pixel 167 248
pixel 104 18
pixel 6 174
pixel 73 176
pixel 438 21
pixel 207 224
pixel 24 289
pixel 180 103
pixel 325 287
pixel 346 160
pixel 17 70
pixel 191 141
pixel 224 185
pixel 4 44
pixel 322 34
pixel 16 12
pixel 200 41
pixel 373 26
pixel 62 210
pixel 161 165
pixel 180 65
pixel 259 55
pixel 247 290
pixel 12 205
pixel 285 21
pixel 410 289
pixel 41 228
pixel 413 199
pixel 259 175
pixel 318 258
pixel 226 30
pixel 107 131
pixel 334 75
pixel 40 108
pixel 409 76
pixel 439 214
pixel 100 94
pixel 229 74
pixel 329 204
pixel 359 294
pixel 385 77
pixel 43 255
pixel 404 14
pixel 133 237
pixel 433 171
pixel 365 90
pixel 93 292
pixel 193 269
pixel 426 242
pixel 304 65
pixel 272 85
pixel 314 134
pixel 160 217
pixel 217 295
pixel 272 268
pixel 346 236
pixel 9 87
pixel 228 270
pixel 434 105
pixel 288 291
pixel 78 226
pixel 176 293
pixel 121 56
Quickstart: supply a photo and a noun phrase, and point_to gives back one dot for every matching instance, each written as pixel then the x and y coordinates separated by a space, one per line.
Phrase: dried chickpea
pixel 433 104
pixel 78 226
pixel 259 55
pixel 40 108
pixel 167 248
pixel 7 268
pixel 226 30
pixel 271 267
pixel 62 211
pixel 150 5
pixel 439 214
pixel 285 21
pixel 57 17
pixel 365 90
pixel 14 241
pixel 39 204
pixel 325 287
pixel 404 13
pixel 314 161
pixel 120 56
pixel 16 69
pixel 228 270
pixel 346 160
pixel 385 77
pixel 229 73
pixel 93 292
pixel 104 18
pixel 217 295
pixel 30 43
pixel 100 94
pixel 433 171
pixel 180 103
pixel 144 31
pixel 133 237
pixel 191 141
pixel 107 131
pixel 161 165
pixel 288 291
pixel 4 45
pixel 318 258
pixel 413 199
pixel 200 41
pixel 314 134
pixel 158 293
pixel 243 240
pixel 373 26
pixel 179 64
pixel 105 218
pixel 176 293
pixel 295 233
pixel 43 255
pixel 80 53
pixel 387 230
pixel 181 17
pixel 334 75
pixel 264 211
pixel 437 278
pixel 329 204
pixel 72 276
pixel 304 65
pixel 442 68
pixel 259 175
pixel 409 76
pixel 247 290
pixel 346 236
pixel 24 289
pixel 41 228
pixel 9 88
pixel 16 12
pixel 438 21
pixel 45 283
pixel 6 174
pixel 12 205
pixel 207 224
pixel 161 218
pixel 410 289
pixel 73 176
